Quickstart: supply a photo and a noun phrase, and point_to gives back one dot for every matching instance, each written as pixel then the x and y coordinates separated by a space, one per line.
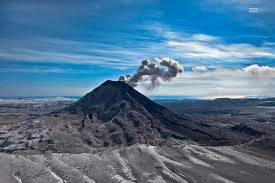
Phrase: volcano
pixel 116 134
pixel 116 114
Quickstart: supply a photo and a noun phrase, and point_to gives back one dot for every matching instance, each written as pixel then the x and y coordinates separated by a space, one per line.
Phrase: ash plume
pixel 160 69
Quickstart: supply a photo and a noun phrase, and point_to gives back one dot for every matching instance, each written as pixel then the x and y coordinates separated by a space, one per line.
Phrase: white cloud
pixel 253 10
pixel 58 57
pixel 69 51
pixel 194 48
pixel 260 71
pixel 197 49
pixel 269 44
pixel 216 84
pixel 219 83
pixel 215 87
pixel 199 68
pixel 252 71
pixel 204 37
pixel 180 44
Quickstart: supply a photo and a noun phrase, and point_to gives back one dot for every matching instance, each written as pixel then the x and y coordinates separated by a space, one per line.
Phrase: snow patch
pixel 120 179
pixel 157 179
pixel 203 152
pixel 159 159
pixel 219 178
pixel 126 170
pixel 18 178
pixel 59 180
pixel 198 161
pixel 246 158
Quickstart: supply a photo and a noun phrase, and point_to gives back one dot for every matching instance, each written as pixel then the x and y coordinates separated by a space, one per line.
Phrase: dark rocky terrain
pixel 115 134
pixel 249 117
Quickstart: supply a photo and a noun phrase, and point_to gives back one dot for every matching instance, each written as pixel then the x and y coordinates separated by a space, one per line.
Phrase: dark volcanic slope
pixel 115 113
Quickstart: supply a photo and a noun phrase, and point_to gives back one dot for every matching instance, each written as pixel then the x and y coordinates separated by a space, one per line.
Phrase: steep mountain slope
pixel 114 113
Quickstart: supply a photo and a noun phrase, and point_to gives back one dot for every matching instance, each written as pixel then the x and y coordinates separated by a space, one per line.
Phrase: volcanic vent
pixel 116 114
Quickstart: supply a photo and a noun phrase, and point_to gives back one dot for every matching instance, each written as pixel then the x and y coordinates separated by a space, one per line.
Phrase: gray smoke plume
pixel 160 69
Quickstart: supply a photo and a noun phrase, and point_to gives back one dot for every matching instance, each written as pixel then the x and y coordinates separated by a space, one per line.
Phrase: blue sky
pixel 68 48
